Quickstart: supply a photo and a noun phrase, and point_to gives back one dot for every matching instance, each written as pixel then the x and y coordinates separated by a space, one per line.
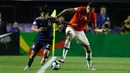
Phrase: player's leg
pixel 35 49
pixel 83 41
pixel 46 53
pixel 70 34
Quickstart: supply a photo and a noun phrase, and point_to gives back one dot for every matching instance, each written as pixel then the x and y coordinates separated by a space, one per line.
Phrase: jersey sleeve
pixel 35 22
pixel 54 20
pixel 79 9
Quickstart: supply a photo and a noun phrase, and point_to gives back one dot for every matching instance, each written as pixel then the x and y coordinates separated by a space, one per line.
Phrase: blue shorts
pixel 40 44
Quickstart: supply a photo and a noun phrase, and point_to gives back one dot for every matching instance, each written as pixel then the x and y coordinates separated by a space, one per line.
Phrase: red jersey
pixel 81 18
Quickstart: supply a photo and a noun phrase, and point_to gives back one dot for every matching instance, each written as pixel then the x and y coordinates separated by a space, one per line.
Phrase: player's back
pixel 80 18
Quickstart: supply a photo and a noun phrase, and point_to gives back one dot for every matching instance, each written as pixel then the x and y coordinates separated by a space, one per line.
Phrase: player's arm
pixel 74 10
pixel 64 11
pixel 35 27
pixel 59 20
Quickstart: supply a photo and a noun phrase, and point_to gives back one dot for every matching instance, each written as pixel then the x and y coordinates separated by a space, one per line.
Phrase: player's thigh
pixel 81 38
pixel 70 32
pixel 46 45
pixel 36 46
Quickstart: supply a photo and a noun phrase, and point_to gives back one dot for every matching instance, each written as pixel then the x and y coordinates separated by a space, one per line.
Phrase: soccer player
pixel 43 26
pixel 75 31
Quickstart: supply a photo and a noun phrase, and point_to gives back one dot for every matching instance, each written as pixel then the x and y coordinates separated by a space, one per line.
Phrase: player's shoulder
pixel 38 18
pixel 50 18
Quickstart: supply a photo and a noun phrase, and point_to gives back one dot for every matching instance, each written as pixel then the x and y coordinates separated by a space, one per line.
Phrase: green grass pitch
pixel 15 64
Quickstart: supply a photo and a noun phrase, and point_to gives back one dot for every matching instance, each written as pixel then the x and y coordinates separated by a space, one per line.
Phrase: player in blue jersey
pixel 42 25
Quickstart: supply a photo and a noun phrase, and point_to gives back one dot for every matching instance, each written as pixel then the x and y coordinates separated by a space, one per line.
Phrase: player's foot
pixel 91 68
pixel 27 68
pixel 43 61
pixel 62 60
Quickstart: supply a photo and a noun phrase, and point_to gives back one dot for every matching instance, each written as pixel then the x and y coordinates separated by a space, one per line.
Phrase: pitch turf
pixel 15 64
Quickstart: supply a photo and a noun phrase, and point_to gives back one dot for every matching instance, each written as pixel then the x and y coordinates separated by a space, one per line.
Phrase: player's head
pixel 88 9
pixel 44 11
pixel 103 10
pixel 15 25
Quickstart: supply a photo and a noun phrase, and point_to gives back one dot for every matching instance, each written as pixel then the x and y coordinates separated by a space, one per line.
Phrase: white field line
pixel 44 67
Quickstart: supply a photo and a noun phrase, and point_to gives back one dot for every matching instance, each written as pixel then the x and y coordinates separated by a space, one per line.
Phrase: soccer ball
pixel 55 65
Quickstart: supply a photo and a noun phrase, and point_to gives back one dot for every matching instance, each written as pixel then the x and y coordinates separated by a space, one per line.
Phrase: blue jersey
pixel 14 30
pixel 102 19
pixel 47 31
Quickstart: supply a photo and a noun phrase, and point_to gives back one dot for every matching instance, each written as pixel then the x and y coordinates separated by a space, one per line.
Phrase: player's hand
pixel 40 29
pixel 60 28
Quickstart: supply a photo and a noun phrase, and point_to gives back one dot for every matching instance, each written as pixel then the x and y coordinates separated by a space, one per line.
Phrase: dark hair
pixel 128 15
pixel 44 9
pixel 103 7
pixel 14 23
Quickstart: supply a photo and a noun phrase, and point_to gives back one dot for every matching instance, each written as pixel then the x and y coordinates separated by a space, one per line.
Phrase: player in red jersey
pixel 76 31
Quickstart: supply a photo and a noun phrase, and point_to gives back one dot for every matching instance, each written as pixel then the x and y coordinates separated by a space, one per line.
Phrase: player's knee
pixel 88 51
pixel 47 48
pixel 69 37
pixel 89 58
pixel 87 47
pixel 46 53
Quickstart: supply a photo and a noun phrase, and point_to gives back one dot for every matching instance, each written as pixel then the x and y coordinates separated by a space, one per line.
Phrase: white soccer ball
pixel 55 65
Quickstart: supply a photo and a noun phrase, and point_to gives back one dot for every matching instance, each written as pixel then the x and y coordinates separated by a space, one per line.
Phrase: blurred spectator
pixel 92 22
pixel 105 29
pixel 93 19
pixel 106 26
pixel 2 26
pixel 126 26
pixel 103 18
pixel 15 27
